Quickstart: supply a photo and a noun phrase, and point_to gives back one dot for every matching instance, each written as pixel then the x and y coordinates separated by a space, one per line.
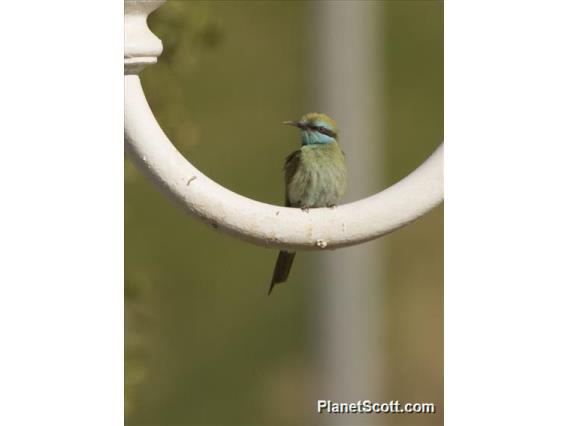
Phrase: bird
pixel 315 176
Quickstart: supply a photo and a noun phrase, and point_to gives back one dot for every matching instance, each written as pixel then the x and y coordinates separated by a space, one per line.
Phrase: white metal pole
pixel 347 83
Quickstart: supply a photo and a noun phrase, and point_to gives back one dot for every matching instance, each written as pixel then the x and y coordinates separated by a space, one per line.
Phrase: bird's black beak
pixel 294 123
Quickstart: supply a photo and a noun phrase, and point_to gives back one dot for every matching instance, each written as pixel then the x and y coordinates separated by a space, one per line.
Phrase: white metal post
pixel 346 78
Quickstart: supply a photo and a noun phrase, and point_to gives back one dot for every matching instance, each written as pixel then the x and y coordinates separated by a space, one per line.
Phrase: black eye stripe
pixel 325 131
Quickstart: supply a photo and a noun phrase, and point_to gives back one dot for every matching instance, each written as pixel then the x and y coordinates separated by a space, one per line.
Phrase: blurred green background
pixel 204 344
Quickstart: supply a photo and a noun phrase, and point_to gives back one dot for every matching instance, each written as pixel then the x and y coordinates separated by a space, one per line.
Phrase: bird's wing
pixel 290 168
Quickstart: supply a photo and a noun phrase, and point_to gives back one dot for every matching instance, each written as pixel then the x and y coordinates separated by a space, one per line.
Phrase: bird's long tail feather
pixel 282 268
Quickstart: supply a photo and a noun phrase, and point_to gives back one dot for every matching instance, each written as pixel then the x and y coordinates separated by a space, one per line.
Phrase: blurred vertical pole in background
pixel 346 81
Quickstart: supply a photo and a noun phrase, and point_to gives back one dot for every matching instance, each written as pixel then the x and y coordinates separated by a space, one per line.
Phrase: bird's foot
pixel 305 209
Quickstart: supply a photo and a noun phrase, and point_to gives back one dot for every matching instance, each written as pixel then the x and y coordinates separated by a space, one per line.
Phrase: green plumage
pixel 315 176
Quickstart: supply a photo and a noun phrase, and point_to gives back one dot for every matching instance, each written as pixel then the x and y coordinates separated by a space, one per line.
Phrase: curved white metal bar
pixel 264 224
pixel 259 223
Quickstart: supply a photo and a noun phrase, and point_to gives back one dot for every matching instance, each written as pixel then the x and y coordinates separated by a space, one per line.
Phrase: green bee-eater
pixel 315 175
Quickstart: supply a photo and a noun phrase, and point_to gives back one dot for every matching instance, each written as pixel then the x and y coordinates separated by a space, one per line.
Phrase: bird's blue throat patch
pixel 313 137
